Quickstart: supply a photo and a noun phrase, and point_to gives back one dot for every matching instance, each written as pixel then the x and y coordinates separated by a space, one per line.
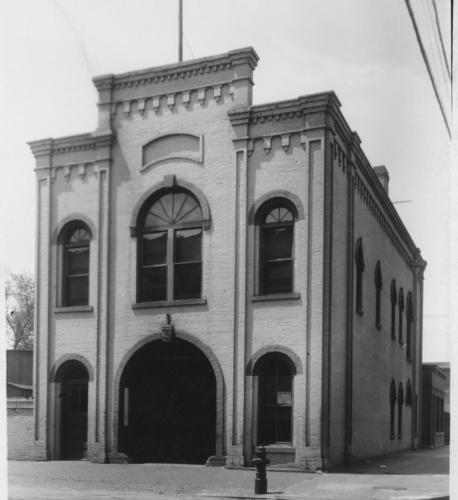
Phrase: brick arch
pixel 74 218
pixel 219 378
pixel 278 193
pixel 170 181
pixel 71 357
pixel 272 349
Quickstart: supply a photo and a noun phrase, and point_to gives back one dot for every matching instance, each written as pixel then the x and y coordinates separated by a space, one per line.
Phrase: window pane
pixel 77 260
pixel 79 235
pixel 284 424
pixel 284 382
pixel 188 210
pixel 154 284
pixel 77 291
pixel 278 214
pixel 267 434
pixel 277 242
pixel 174 208
pixel 188 245
pixel 277 277
pixel 269 394
pixel 154 249
pixel 187 281
pixel 284 398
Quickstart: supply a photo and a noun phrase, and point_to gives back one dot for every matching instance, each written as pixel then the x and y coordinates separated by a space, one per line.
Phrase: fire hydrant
pixel 260 462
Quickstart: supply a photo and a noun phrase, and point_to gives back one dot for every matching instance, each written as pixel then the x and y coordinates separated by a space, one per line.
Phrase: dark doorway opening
pixel 73 378
pixel 275 399
pixel 167 409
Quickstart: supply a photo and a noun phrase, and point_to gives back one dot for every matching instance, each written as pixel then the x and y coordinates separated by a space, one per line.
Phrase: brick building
pixel 214 275
pixel 435 406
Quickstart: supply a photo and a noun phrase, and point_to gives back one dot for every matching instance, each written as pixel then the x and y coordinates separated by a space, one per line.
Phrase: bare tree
pixel 20 291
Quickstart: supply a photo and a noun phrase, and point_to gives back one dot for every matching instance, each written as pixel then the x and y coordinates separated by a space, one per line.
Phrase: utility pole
pixel 180 30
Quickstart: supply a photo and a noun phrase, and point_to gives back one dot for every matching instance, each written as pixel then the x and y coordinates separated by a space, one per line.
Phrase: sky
pixel 364 50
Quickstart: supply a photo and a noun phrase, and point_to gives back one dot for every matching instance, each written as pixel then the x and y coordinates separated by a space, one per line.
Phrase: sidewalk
pixel 410 475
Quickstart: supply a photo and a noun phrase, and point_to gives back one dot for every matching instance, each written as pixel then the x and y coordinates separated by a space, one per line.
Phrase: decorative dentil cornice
pixel 178 71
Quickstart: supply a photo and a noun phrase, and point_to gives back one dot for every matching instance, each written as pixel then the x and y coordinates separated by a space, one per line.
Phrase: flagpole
pixel 180 30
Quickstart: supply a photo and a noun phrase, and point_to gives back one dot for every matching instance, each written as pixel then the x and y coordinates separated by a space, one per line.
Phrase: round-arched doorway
pixel 167 410
pixel 72 378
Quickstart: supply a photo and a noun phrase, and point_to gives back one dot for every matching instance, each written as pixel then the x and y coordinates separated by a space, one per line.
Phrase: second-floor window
pixel 170 248
pixel 276 248
pixel 75 282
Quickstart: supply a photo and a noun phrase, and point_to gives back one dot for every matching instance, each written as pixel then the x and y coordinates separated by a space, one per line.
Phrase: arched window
pixel 392 407
pixel 75 240
pixel 275 398
pixel 378 292
pixel 401 314
pixel 276 271
pixel 409 398
pixel 170 247
pixel 359 257
pixel 409 321
pixel 400 403
pixel 394 301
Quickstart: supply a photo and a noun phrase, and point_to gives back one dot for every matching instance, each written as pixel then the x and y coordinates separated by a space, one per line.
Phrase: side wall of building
pixel 366 356
pixel 379 359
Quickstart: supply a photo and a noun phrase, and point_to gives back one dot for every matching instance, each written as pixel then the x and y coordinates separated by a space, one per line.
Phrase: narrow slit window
pixel 359 257
pixel 378 294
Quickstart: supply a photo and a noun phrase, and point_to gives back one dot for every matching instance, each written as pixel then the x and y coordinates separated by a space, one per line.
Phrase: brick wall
pixel 280 148
pixel 19 428
pixel 377 357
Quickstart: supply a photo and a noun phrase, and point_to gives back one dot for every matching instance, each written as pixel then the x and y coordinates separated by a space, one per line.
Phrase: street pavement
pixel 411 475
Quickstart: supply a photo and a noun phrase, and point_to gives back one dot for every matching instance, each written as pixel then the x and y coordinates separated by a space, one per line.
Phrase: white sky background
pixel 365 50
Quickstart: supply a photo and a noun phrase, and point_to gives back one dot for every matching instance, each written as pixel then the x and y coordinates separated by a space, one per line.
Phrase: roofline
pixel 244 54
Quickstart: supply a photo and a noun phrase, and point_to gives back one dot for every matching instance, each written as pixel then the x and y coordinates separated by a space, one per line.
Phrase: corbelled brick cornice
pixel 63 145
pixel 185 70
pixel 291 108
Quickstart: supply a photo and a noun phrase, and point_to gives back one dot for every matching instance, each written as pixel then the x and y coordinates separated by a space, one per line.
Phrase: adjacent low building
pixel 19 403
pixel 213 275
pixel 435 404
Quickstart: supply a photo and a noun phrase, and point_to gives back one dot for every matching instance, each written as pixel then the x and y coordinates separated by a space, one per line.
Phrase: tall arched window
pixel 394 300
pixel 170 247
pixel 275 398
pixel 378 293
pixel 401 314
pixel 276 271
pixel 359 258
pixel 75 241
pixel 409 398
pixel 392 407
pixel 409 321
pixel 400 403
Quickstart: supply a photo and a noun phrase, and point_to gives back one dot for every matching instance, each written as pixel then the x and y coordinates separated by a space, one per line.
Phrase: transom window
pixel 276 249
pixel 170 248
pixel 75 285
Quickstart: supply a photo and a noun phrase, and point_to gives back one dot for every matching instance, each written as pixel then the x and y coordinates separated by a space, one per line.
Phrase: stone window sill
pixel 73 309
pixel 280 448
pixel 169 303
pixel 275 296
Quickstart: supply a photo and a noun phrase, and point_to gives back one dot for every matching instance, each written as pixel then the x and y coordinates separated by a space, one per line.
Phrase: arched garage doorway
pixel 167 410
pixel 72 390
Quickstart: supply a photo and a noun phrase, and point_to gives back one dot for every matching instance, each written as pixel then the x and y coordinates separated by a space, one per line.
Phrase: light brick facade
pixel 193 125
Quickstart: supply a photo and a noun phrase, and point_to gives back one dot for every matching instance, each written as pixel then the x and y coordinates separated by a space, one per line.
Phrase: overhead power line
pixel 428 66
